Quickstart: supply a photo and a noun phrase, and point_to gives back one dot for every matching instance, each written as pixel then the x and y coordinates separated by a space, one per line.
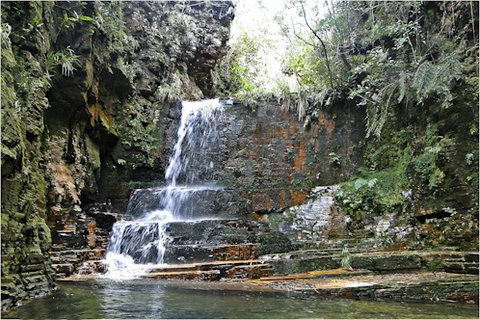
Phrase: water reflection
pixel 129 301
pixel 146 300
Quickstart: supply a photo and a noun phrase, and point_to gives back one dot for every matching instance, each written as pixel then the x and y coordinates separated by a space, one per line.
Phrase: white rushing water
pixel 139 244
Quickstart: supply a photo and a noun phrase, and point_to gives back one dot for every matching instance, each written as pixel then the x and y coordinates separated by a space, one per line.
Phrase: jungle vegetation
pixel 408 64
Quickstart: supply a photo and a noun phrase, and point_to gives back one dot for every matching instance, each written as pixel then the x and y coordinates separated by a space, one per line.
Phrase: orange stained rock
pixel 300 158
pixel 92 227
pixel 186 275
pixel 293 128
pixel 236 252
pixel 297 197
pixel 62 180
pixel 281 199
pixel 252 153
pixel 342 283
pixel 261 201
pixel 280 132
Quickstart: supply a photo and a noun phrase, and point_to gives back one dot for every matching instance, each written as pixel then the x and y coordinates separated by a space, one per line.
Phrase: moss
pixel 12 127
pixel 139 135
pixel 379 187
pixel 427 164
pixel 415 171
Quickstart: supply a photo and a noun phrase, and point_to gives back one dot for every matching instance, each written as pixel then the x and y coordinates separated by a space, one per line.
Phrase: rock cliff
pixel 89 93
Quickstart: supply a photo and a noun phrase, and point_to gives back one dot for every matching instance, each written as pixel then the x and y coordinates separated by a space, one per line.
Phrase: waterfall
pixel 139 243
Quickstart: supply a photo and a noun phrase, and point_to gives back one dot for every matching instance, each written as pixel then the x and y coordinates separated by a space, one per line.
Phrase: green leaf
pixel 86 18
pixel 359 183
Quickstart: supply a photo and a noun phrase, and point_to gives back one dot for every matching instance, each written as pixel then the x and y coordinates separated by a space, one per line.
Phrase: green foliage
pixel 306 65
pixel 374 193
pixel 334 159
pixel 65 58
pixel 469 158
pixel 383 182
pixel 240 71
pixel 385 155
pixel 392 168
pixel 391 57
pixel 109 25
pixel 70 22
pixel 426 164
pixel 36 21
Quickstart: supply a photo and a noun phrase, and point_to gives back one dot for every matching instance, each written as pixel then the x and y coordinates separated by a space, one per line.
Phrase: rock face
pixel 274 161
pixel 88 102
pixel 267 161
pixel 313 221
pixel 203 241
pixel 321 223
pixel 26 267
pixel 220 240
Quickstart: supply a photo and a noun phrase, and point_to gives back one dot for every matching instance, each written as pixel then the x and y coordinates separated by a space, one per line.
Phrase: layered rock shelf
pixel 306 259
pixel 404 276
pixel 429 286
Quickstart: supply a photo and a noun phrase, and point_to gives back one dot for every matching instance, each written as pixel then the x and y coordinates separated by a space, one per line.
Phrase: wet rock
pixel 257 236
pixel 201 241
pixel 313 221
pixel 196 203
pixel 377 261
pixel 402 287
pixel 249 272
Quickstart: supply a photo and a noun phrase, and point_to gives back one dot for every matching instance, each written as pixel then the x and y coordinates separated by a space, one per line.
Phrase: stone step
pixel 419 285
pixel 209 271
pixel 462 267
pixel 206 200
pixel 209 275
pixel 378 261
pixel 206 265
pixel 249 271
pixel 340 272
pixel 32 267
pixel 472 256
pixel 62 251
pixel 203 241
pixel 236 269
pixel 63 268
pixel 205 253
pixel 96 254
pixel 92 267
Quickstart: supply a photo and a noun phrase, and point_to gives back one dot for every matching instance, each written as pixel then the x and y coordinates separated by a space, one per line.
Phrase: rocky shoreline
pixel 399 276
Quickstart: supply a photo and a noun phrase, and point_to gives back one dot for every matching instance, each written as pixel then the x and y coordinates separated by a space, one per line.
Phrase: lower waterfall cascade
pixel 138 242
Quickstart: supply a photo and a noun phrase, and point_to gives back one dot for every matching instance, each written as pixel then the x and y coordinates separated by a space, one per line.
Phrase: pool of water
pixel 131 299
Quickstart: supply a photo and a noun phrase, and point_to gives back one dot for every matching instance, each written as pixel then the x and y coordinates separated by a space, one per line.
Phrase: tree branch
pixel 298 36
pixel 324 48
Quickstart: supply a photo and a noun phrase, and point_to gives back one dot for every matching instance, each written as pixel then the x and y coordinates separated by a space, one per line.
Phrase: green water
pixel 143 300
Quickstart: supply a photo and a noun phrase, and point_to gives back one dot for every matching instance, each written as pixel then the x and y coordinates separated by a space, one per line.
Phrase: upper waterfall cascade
pixel 137 244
